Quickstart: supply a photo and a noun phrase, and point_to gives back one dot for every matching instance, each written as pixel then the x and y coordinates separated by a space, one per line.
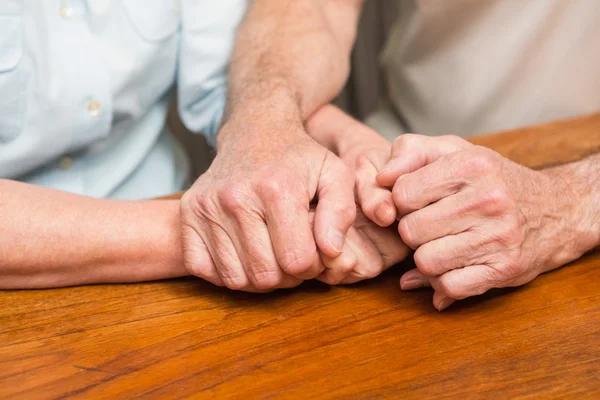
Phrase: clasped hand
pixel 249 224
pixel 475 220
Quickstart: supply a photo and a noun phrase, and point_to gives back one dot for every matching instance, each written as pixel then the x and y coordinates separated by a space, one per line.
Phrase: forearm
pixel 293 51
pixel 50 238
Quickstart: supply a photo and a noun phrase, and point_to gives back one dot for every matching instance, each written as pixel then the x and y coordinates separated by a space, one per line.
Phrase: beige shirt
pixel 475 66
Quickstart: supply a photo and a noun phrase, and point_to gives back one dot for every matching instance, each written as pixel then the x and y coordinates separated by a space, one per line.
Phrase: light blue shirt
pixel 85 85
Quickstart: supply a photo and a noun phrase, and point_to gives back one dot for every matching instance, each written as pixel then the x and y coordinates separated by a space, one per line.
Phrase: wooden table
pixel 185 338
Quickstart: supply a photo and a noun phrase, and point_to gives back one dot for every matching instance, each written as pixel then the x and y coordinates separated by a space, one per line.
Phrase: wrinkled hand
pixel 476 220
pixel 250 210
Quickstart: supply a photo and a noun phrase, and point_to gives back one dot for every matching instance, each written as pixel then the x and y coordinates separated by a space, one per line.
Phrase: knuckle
pixel 266 279
pixel 495 201
pixel 408 230
pixel 425 262
pixel 295 263
pixel 233 199
pixel 451 288
pixel 348 267
pixel 479 162
pixel 273 186
pixel 235 282
pixel 371 270
pixel 401 196
pixel 344 264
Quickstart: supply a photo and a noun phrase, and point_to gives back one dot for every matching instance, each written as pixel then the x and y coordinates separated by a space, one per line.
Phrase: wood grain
pixel 185 338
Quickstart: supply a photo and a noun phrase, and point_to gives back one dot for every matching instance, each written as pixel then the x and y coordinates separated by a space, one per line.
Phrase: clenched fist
pixel 478 220
pixel 245 222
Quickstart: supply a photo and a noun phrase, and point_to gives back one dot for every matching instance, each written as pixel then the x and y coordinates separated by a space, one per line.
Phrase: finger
pixel 375 200
pixel 253 245
pixel 337 268
pixel 369 262
pixel 196 256
pixel 449 216
pixel 414 279
pixel 465 282
pixel 286 215
pixel 450 252
pixel 442 178
pixel 226 259
pixel 386 240
pixel 411 152
pixel 441 301
pixel 336 209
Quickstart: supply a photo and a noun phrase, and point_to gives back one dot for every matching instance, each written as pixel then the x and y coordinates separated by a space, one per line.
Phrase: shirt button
pixel 93 108
pixel 65 11
pixel 65 163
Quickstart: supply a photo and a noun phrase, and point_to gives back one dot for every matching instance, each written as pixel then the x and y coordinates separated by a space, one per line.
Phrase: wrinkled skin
pixel 477 220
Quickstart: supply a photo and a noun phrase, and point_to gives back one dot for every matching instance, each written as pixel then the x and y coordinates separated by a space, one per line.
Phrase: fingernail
pixel 335 239
pixel 411 284
pixel 445 303
pixel 383 212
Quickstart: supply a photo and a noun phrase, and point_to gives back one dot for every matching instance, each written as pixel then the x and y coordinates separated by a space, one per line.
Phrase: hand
pixel 364 151
pixel 477 220
pixel 251 208
pixel 369 250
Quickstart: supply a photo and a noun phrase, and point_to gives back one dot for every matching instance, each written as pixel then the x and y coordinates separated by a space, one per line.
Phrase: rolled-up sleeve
pixel 208 35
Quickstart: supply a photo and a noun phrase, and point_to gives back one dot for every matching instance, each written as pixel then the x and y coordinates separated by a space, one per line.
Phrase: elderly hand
pixel 251 208
pixel 477 220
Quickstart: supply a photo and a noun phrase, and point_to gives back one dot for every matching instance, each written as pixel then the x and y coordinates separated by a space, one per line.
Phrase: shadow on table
pixel 384 286
pixel 194 286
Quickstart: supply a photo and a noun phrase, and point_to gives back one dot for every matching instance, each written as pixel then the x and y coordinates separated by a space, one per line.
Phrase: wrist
pixel 587 174
pixel 150 246
pixel 580 208
pixel 259 116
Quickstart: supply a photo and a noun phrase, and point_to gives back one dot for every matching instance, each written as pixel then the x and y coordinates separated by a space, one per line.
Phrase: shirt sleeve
pixel 207 39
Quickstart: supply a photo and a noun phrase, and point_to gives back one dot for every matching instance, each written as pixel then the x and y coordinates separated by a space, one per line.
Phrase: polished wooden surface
pixel 185 338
